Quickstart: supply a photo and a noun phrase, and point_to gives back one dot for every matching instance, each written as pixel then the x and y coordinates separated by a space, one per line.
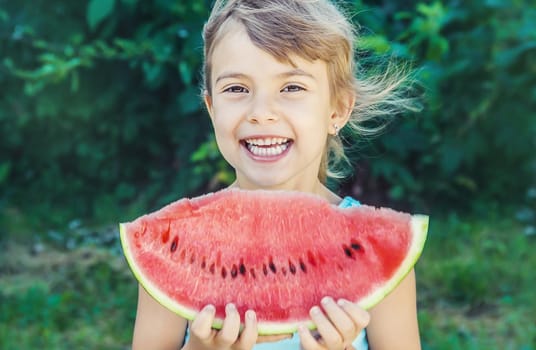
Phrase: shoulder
pixel 156 327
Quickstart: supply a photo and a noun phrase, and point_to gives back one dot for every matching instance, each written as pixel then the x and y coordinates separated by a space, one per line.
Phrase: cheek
pixel 314 118
pixel 226 145
pixel 224 112
pixel 225 126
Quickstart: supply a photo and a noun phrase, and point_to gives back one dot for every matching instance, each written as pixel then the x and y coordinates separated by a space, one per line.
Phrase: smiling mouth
pixel 267 147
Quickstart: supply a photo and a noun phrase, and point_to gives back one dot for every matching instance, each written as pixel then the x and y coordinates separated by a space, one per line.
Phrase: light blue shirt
pixel 360 343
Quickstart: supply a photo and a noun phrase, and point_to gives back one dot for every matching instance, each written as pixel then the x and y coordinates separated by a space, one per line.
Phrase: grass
pixel 64 299
pixel 476 284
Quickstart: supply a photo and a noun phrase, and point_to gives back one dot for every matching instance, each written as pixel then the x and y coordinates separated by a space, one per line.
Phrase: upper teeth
pixel 267 141
pixel 267 147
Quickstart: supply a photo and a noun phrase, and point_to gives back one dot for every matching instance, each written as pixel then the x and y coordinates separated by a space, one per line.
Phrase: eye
pixel 292 88
pixel 236 89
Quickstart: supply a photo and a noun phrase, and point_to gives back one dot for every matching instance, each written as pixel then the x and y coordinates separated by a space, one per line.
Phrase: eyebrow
pixel 231 75
pixel 297 72
pixel 291 73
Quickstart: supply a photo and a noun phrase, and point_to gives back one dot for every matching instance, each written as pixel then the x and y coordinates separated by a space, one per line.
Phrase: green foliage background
pixel 100 109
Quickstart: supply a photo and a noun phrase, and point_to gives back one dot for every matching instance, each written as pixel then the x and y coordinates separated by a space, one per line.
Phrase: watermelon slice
pixel 274 252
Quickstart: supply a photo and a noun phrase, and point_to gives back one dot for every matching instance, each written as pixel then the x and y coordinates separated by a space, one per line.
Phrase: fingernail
pixel 326 301
pixel 230 307
pixel 210 309
pixel 250 314
pixel 315 310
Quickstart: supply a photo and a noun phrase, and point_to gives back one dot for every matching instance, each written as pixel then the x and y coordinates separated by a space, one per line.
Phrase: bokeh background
pixel 101 121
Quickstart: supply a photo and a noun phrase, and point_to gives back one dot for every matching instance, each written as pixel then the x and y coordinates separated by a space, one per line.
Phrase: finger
pixel 249 334
pixel 360 317
pixel 231 326
pixel 202 325
pixel 342 321
pixel 307 340
pixel 326 329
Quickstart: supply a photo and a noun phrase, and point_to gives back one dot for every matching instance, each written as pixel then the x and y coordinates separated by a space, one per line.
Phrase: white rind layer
pixel 419 227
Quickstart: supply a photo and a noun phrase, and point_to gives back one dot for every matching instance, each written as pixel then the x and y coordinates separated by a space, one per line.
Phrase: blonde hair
pixel 314 30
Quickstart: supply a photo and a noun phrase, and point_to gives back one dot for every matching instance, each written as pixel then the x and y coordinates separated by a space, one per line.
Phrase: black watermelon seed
pixel 302 266
pixel 348 251
pixel 272 266
pixel 203 263
pixel 356 246
pixel 223 272
pixel 242 269
pixel 252 273
pixel 291 267
pixel 174 244
pixel 265 269
pixel 234 271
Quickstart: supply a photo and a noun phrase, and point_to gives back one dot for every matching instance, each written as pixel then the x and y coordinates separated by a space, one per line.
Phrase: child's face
pixel 271 119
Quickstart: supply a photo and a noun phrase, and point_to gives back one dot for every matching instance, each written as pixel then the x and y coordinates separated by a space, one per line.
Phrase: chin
pixel 265 183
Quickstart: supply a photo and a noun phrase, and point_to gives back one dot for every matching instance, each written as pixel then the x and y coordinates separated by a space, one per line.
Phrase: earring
pixel 336 127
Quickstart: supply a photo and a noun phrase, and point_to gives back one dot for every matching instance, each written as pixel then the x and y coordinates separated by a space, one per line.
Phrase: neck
pixel 314 187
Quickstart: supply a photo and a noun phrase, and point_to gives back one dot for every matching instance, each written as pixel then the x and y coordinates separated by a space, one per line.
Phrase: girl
pixel 279 85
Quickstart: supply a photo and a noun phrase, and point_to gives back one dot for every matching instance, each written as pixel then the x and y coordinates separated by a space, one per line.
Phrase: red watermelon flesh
pixel 274 252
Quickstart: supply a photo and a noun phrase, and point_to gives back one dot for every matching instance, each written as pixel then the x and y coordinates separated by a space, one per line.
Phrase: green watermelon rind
pixel 419 228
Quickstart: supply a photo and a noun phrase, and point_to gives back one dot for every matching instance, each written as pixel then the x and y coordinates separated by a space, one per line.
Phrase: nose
pixel 262 110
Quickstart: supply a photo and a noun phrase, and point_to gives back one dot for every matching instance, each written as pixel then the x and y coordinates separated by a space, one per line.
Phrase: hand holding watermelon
pixel 337 327
pixel 231 336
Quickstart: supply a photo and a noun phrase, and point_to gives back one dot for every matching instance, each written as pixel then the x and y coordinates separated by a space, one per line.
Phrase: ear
pixel 208 103
pixel 342 112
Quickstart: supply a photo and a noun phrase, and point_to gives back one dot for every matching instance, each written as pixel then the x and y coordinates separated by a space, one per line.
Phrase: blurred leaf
pixel 452 154
pixel 4 171
pixel 375 43
pixel 97 11
pixel 186 72
pixel 130 2
pixel 506 58
pixel 75 81
pixel 4 16
pixel 8 63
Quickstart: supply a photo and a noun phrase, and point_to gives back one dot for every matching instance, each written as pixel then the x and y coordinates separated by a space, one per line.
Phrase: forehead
pixel 232 29
pixel 234 50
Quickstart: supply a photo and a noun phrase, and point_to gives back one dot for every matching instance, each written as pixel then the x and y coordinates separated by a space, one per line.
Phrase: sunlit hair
pixel 314 30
